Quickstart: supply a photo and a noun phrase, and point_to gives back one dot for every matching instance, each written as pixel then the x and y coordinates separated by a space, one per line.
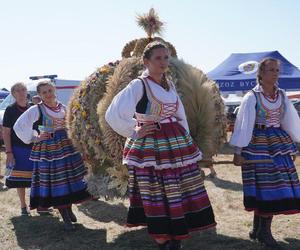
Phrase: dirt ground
pixel 101 223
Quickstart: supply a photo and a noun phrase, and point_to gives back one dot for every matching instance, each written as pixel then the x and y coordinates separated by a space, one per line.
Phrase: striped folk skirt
pixel 166 189
pixel 20 176
pixel 271 188
pixel 58 172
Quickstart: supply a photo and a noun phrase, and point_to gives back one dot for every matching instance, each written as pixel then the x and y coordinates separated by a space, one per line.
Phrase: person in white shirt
pixel 58 169
pixel 265 132
pixel 166 190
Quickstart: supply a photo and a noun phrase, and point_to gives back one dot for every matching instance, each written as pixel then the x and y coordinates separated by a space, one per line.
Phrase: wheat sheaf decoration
pixel 150 23
pixel 152 26
pixel 101 146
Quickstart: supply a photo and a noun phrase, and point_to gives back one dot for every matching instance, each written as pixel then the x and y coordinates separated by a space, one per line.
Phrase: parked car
pixel 3 94
pixel 231 116
pixel 297 106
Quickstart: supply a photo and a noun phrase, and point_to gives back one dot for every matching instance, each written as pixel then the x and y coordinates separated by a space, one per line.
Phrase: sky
pixel 71 38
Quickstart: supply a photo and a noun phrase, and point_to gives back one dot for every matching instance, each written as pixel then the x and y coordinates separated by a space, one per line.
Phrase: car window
pixel 7 101
pixel 297 106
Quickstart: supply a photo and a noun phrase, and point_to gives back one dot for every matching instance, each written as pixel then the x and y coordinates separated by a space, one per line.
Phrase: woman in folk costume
pixel 166 190
pixel 266 128
pixel 58 169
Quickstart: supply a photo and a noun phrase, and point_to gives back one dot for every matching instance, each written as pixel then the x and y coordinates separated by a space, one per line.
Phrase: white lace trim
pixel 165 165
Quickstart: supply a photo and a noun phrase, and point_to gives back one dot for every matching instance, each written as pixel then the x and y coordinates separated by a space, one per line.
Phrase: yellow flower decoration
pixel 83 85
pixel 83 93
pixel 104 70
pixel 75 106
pixel 84 114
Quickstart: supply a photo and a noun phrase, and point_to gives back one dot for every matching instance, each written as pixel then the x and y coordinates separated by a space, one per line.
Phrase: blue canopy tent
pixel 238 72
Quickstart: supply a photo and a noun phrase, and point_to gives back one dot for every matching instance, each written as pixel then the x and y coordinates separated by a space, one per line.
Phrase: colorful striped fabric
pixel 166 189
pixel 169 147
pixel 157 107
pixel 20 176
pixel 268 116
pixel 170 202
pixel 271 188
pixel 58 173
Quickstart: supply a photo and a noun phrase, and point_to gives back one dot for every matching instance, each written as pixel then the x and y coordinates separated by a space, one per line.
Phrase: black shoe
pixel 72 215
pixel 264 234
pixel 68 226
pixel 253 233
pixel 24 211
pixel 175 245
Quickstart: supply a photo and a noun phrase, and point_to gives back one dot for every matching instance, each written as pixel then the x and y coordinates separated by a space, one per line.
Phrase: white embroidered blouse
pixel 244 124
pixel 23 126
pixel 120 113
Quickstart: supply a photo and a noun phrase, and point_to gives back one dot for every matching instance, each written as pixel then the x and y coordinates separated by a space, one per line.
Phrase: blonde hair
pixel 262 67
pixel 42 84
pixel 15 86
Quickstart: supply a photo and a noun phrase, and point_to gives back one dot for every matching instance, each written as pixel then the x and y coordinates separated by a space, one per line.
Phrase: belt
pixel 263 126
pixel 158 126
pixel 158 123
pixel 260 126
pixel 169 119
pixel 52 133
